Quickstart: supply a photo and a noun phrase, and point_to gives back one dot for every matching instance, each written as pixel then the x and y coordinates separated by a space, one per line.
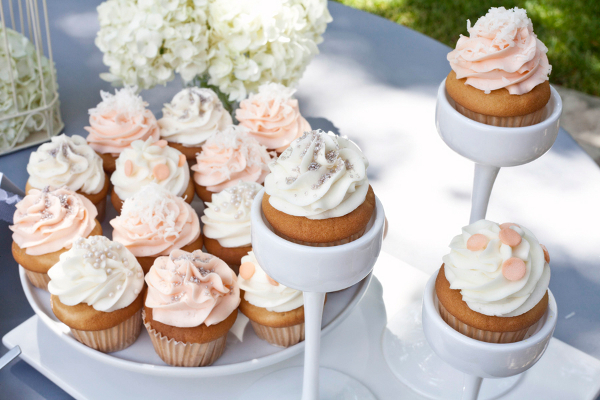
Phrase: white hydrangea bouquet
pixel 231 45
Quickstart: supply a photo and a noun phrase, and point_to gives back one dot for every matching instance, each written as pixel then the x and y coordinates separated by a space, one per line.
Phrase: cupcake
pixel 69 162
pixel 116 122
pixel 500 72
pixel 227 223
pixel 272 116
pixel 46 224
pixel 147 162
pixel 191 304
pixel 493 285
pixel 96 291
pixel 227 157
pixel 318 193
pixel 190 118
pixel 155 222
pixel 276 312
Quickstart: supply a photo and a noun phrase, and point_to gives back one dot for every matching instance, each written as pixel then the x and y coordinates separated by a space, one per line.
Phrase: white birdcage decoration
pixel 29 105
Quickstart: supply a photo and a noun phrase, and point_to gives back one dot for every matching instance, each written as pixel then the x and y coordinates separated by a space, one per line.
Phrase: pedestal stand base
pixel 410 358
pixel 286 384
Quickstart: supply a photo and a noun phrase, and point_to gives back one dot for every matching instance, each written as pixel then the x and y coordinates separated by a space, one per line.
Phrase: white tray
pixel 244 350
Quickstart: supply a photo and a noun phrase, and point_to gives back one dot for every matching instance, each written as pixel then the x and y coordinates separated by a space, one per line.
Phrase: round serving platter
pixel 244 351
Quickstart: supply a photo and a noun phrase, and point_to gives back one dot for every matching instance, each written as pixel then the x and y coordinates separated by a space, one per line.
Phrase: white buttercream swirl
pixel 192 116
pixel 98 272
pixel 145 156
pixel 66 161
pixel 319 176
pixel 261 293
pixel 478 274
pixel 227 217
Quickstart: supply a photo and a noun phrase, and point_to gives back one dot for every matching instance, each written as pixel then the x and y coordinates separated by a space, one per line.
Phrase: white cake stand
pixel 315 271
pixel 407 353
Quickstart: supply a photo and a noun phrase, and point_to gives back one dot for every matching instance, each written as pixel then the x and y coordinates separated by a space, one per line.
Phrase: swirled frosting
pixel 227 217
pixel 273 117
pixel 66 161
pixel 501 52
pixel 189 289
pixel 150 161
pixel 98 272
pixel 192 116
pixel 319 176
pixel 155 222
pixel 478 274
pixel 119 120
pixel 47 221
pixel 260 292
pixel 230 156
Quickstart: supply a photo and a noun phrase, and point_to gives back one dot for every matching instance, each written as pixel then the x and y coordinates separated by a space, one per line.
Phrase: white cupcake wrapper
pixel 112 339
pixel 281 337
pixel 480 334
pixel 509 122
pixel 38 279
pixel 179 354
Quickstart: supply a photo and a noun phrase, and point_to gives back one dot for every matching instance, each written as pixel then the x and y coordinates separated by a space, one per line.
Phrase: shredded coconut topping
pixel 274 91
pixel 124 101
pixel 500 24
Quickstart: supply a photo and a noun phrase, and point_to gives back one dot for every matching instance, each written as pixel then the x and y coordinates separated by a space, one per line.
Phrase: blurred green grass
pixel 569 28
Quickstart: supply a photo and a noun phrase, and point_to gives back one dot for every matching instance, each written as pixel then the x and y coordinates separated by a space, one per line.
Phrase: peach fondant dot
pixel 247 270
pixel 181 162
pixel 546 254
pixel 161 172
pixel 128 168
pixel 477 242
pixel 513 269
pixel 162 143
pixel 508 225
pixel 273 281
pixel 510 237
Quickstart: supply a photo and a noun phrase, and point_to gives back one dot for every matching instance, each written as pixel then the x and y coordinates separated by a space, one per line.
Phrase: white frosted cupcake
pixel 96 290
pixel 227 223
pixel 276 312
pixel 190 118
pixel 69 162
pixel 147 162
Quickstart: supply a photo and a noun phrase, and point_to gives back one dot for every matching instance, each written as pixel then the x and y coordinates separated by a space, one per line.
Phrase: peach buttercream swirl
pixel 228 157
pixel 155 222
pixel 273 117
pixel 189 289
pixel 119 120
pixel 501 52
pixel 47 221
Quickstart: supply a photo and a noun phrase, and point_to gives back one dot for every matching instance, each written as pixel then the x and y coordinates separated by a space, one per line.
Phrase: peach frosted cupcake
pixel 190 306
pixel 226 222
pixel 493 284
pixel 500 72
pixel 155 222
pixel 318 193
pixel 96 290
pixel 227 157
pixel 117 121
pixel 46 224
pixel 147 162
pixel 272 116
pixel 276 312
pixel 69 162
pixel 190 118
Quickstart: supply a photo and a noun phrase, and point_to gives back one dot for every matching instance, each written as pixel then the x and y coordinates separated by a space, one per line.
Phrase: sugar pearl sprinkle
pixel 240 197
pixel 101 253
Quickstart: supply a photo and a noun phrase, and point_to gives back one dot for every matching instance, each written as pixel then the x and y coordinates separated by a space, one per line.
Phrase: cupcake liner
pixel 327 244
pixel 510 122
pixel 282 337
pixel 112 339
pixel 480 334
pixel 38 279
pixel 179 354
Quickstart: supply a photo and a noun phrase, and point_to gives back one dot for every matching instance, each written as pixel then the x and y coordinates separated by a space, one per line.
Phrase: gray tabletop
pixel 373 79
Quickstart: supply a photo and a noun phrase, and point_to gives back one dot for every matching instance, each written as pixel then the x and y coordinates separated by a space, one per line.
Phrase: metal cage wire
pixel 47 121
